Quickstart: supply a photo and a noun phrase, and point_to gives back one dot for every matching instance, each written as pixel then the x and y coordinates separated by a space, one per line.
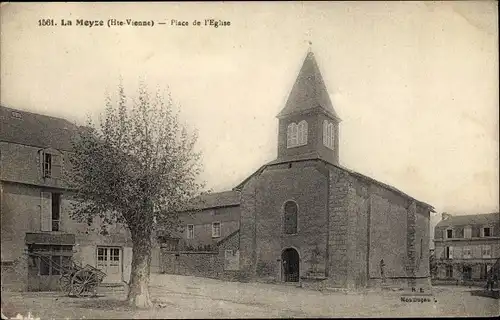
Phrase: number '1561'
pixel 46 22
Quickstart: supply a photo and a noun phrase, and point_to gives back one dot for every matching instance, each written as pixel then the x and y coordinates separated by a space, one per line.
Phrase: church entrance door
pixel 290 260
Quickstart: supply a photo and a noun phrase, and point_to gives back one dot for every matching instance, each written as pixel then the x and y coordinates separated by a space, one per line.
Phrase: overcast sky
pixel 416 84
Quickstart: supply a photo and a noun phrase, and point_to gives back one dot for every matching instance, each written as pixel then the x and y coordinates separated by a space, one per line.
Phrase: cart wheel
pixel 65 282
pixel 84 283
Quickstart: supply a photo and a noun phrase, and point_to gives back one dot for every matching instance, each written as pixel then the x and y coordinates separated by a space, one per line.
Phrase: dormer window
pixel 328 134
pixel 296 134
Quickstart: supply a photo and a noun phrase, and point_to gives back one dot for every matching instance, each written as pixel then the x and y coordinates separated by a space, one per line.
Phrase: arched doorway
pixel 290 265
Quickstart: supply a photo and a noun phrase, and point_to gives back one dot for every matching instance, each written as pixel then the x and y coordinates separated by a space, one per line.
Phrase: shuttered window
pixel 51 164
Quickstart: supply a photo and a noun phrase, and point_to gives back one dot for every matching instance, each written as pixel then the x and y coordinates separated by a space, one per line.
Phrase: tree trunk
pixel 138 293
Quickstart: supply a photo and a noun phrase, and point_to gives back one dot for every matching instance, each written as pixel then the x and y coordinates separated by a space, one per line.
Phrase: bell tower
pixel 308 124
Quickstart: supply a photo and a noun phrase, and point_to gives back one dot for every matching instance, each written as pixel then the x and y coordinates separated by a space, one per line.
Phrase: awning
pixel 50 238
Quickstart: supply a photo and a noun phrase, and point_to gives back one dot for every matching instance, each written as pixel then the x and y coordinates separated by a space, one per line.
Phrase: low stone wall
pixel 192 263
pixel 208 264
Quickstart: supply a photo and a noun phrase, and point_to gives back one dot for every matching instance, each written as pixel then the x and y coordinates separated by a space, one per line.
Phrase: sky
pixel 415 83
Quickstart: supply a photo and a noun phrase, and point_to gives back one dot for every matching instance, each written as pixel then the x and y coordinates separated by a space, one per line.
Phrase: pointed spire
pixel 309 91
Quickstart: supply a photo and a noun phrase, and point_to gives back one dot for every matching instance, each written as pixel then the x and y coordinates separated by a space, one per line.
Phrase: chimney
pixel 445 216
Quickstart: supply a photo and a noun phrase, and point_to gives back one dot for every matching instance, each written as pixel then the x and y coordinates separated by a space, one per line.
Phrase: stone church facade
pixel 305 218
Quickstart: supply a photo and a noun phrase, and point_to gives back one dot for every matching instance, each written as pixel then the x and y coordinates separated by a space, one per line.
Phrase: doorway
pixel 109 260
pixel 290 260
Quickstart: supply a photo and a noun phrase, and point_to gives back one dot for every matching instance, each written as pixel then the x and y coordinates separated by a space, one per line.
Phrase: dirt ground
pixel 191 297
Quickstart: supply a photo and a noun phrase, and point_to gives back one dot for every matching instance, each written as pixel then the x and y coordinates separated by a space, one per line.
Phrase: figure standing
pixel 382 270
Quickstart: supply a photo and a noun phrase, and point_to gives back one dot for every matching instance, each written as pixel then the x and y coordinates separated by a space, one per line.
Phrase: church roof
pixel 37 130
pixel 309 91
pixel 482 219
pixel 315 156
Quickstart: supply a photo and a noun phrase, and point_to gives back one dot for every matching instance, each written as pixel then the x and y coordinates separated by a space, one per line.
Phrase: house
pixel 467 246
pixel 306 218
pixel 35 204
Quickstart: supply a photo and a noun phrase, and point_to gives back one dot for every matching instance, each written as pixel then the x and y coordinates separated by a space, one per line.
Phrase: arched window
pixel 292 135
pixel 302 133
pixel 328 134
pixel 296 134
pixel 290 217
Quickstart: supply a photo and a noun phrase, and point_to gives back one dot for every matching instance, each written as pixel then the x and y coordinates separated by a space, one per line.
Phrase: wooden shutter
pixel 56 166
pixel 46 211
pixel 458 253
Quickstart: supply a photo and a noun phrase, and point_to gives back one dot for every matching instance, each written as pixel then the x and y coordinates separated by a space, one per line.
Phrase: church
pixel 304 217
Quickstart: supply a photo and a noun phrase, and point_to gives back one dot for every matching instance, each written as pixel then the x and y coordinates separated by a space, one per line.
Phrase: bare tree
pixel 137 167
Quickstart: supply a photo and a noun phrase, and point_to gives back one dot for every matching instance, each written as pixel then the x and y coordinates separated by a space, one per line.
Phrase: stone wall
pixel 338 228
pixel 307 185
pixel 248 229
pixel 189 263
pixel 230 271
pixel 388 238
pixel 358 208
pixel 349 204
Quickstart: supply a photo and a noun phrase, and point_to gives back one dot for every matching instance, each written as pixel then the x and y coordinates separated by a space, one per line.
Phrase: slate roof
pixel 215 200
pixel 472 219
pixel 316 156
pixel 22 127
pixel 309 91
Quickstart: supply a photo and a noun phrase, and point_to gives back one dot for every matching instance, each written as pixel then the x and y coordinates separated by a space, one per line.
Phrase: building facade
pixel 305 218
pixel 35 204
pixel 467 247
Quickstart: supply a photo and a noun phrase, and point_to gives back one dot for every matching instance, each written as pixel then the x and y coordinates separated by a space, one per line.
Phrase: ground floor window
pixel 50 260
pixel 467 273
pixel 484 271
pixel 449 271
pixel 109 260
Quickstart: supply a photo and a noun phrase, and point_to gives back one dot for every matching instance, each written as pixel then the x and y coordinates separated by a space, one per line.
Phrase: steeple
pixel 309 91
pixel 308 124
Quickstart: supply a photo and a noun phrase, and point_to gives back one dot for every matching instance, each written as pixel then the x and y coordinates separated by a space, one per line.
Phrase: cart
pixel 76 280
